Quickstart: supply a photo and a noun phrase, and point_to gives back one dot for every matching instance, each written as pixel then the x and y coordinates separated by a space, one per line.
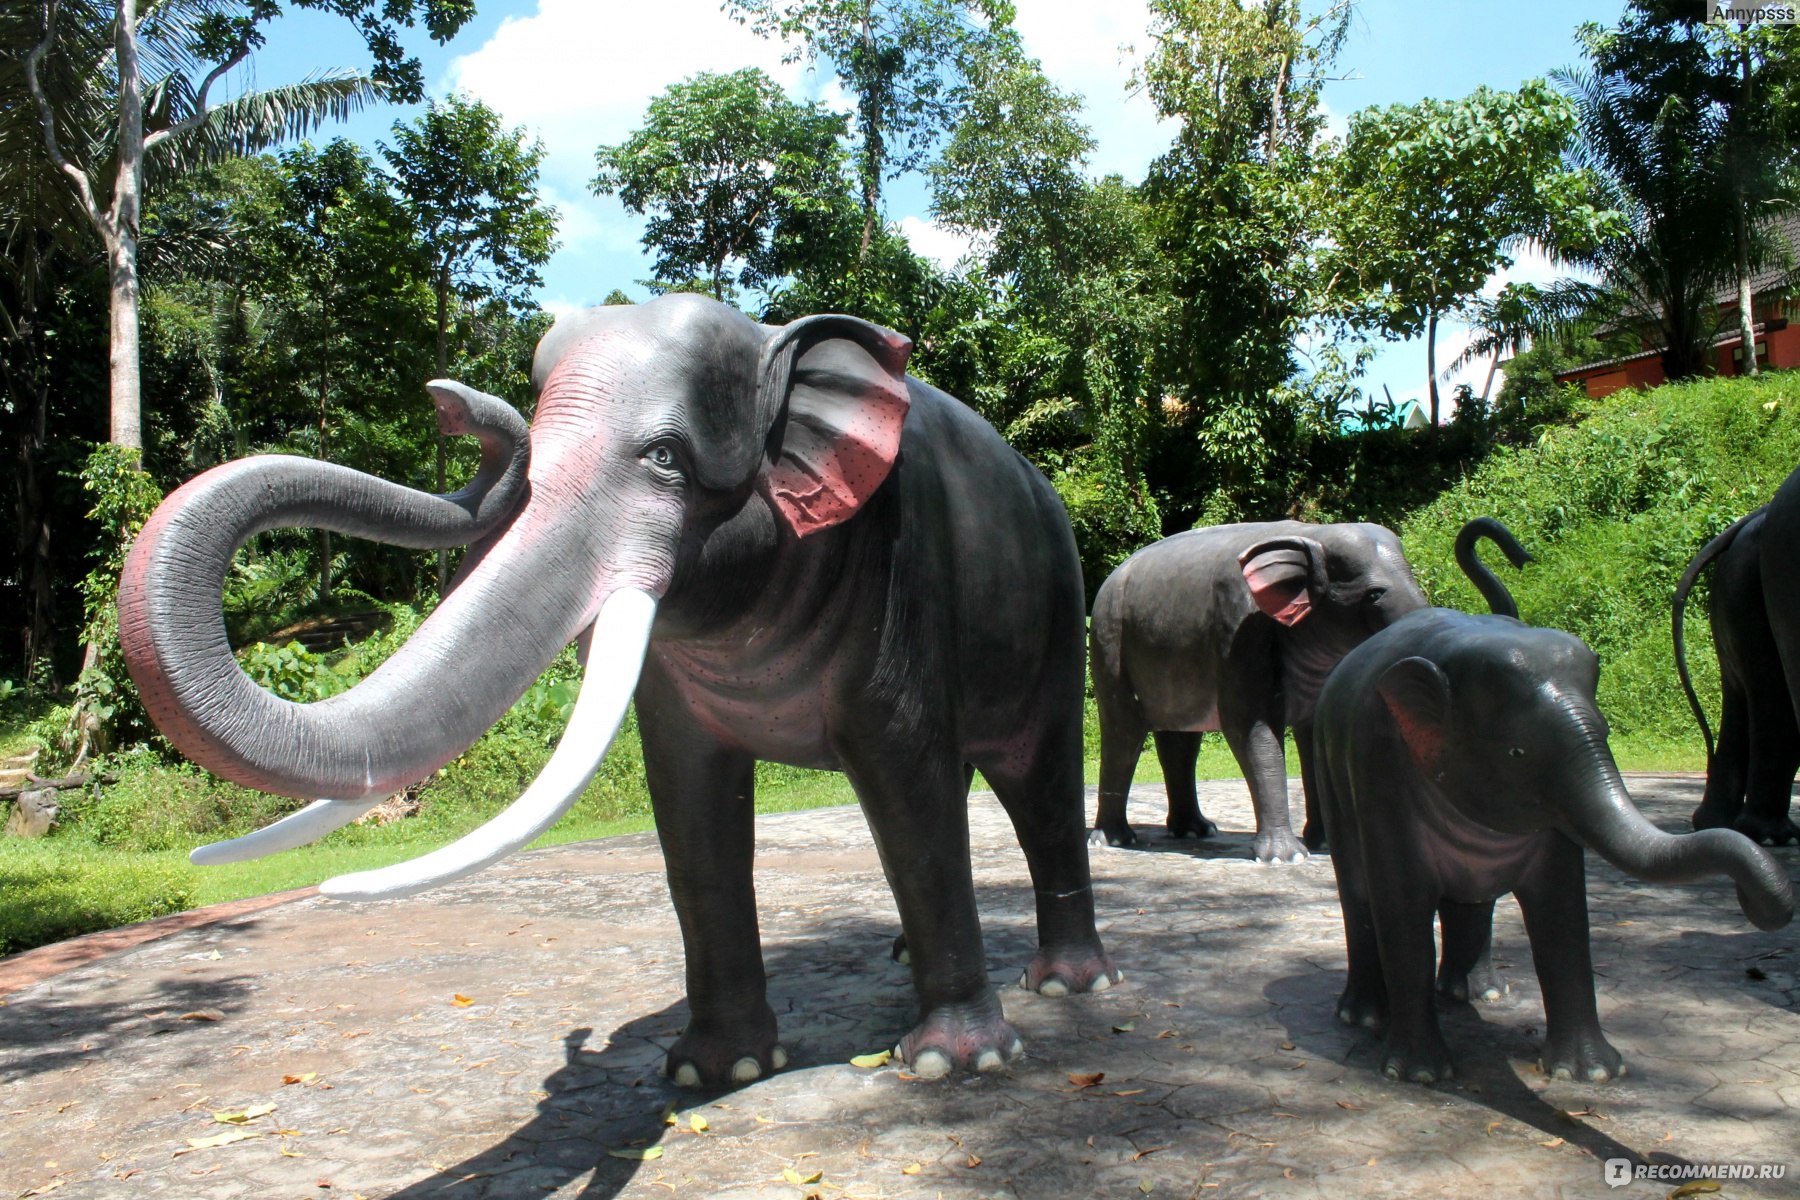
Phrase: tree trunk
pixel 1431 365
pixel 121 247
pixel 443 371
pixel 1746 302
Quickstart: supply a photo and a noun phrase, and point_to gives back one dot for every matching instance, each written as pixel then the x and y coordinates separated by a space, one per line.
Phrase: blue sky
pixel 579 73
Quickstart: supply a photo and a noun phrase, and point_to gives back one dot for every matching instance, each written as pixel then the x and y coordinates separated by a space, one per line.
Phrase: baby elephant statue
pixel 1234 628
pixel 1462 757
pixel 781 545
pixel 1754 610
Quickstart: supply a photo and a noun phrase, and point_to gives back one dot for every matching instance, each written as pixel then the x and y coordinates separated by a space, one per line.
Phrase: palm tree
pixel 121 100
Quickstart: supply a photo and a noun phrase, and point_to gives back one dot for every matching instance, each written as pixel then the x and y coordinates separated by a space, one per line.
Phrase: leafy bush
pixel 54 891
pixel 1614 508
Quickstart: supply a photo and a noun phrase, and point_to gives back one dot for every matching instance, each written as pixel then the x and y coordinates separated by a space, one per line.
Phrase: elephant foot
pixel 1483 983
pixel 1109 834
pixel 1587 1056
pixel 1313 837
pixel 1191 825
pixel 1420 1058
pixel 961 1038
pixel 1711 816
pixel 1767 831
pixel 713 1058
pixel 1062 970
pixel 1362 1009
pixel 1278 846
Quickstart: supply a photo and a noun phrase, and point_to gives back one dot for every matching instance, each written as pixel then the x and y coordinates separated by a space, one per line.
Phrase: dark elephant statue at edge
pixel 786 547
pixel 1235 628
pixel 1461 757
pixel 1755 615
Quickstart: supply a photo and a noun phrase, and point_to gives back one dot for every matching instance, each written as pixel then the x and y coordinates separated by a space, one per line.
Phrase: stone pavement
pixel 501 1038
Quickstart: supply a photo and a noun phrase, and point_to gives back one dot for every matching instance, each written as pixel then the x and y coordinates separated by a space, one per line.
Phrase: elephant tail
pixel 1499 599
pixel 1707 554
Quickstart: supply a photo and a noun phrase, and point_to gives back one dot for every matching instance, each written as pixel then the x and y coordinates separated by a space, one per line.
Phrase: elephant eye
pixel 660 455
pixel 1374 595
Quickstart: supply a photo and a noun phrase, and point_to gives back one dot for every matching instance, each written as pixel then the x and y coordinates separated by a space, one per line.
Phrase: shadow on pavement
pixel 52 1035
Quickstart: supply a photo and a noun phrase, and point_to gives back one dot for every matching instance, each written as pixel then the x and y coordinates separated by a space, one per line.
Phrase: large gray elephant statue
pixel 1234 628
pixel 1755 614
pixel 785 548
pixel 1462 757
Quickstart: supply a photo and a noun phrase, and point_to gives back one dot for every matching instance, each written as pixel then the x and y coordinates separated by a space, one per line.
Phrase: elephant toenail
pixel 1101 983
pixel 990 1060
pixel 1017 1048
pixel 687 1076
pixel 778 1057
pixel 745 1069
pixel 1025 979
pixel 931 1064
pixel 1053 987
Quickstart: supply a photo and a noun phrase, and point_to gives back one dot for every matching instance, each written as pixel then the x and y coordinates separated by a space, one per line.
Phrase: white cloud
pixel 1087 48
pixel 946 247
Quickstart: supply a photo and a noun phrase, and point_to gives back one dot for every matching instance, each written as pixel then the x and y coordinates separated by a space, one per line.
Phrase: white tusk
pixel 621 636
pixel 296 829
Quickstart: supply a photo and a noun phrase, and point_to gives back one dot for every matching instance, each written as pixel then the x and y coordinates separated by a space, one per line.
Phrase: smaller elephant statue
pixel 1462 757
pixel 1234 628
pixel 1754 610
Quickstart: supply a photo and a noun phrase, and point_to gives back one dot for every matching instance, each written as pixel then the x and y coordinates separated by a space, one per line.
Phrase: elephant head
pixel 1354 578
pixel 675 443
pixel 1501 722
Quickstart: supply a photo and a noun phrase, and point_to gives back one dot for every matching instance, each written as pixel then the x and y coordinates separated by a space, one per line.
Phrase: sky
pixel 579 74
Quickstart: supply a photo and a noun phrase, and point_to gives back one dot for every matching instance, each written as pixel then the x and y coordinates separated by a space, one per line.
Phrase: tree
pixel 906 64
pixel 727 167
pixel 470 187
pixel 159 74
pixel 1430 196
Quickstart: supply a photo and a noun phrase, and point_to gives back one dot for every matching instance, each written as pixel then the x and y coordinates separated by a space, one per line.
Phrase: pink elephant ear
pixel 1417 695
pixel 1282 574
pixel 835 388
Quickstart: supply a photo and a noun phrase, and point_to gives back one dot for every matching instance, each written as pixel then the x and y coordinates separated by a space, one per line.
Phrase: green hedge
pixel 1614 508
pixel 52 893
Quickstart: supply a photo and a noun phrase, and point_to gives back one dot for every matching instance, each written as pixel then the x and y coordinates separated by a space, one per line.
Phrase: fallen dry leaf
pixel 1125 1027
pixel 217 1140
pixel 912 1168
pixel 1553 1143
pixel 697 1123
pixel 1132 1092
pixel 636 1153
pixel 45 1190
pixel 1287 1045
pixel 798 1180
pixel 1350 1106
pixel 1695 1187
pixel 253 1113
pixel 460 1001
pixel 202 1014
pixel 1088 1080
pixel 869 1062
pixel 1146 1185
pixel 974 1161
pixel 308 1077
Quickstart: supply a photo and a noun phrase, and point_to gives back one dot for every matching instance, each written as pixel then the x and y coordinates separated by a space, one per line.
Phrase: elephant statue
pixel 1462 757
pixel 783 548
pixel 1755 614
pixel 1234 628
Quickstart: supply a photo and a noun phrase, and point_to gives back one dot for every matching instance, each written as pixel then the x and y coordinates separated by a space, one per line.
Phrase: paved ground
pixel 502 1040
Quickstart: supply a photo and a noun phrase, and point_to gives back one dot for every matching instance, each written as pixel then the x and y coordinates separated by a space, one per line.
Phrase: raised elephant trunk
pixel 534 584
pixel 1605 819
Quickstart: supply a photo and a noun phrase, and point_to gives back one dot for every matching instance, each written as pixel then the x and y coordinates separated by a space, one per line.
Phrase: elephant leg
pixel 1402 904
pixel 1121 743
pixel 1178 752
pixel 1364 999
pixel 1466 970
pixel 1769 783
pixel 1727 775
pixel 918 812
pixel 1553 897
pixel 1255 741
pixel 1043 798
pixel 1312 834
pixel 703 798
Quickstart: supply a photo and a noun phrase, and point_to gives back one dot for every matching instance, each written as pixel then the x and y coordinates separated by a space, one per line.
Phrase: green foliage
pixel 52 894
pixel 1614 508
pixel 730 170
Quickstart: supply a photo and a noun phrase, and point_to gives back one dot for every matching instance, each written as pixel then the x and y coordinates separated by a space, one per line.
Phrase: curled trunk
pixel 450 682
pixel 1499 599
pixel 1604 818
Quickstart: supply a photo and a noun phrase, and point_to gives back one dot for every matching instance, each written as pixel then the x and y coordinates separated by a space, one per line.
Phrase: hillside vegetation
pixel 1613 508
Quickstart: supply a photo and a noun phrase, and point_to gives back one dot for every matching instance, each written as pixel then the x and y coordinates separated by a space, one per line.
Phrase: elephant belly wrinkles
pixel 771 707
